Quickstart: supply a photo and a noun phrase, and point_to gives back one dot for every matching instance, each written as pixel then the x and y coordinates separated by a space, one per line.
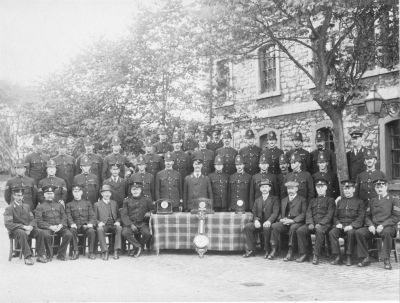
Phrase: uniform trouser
pixel 304 239
pixel 115 229
pixel 250 231
pixel 143 231
pixel 66 237
pixel 334 236
pixel 363 235
pixel 278 228
pixel 21 238
pixel 89 232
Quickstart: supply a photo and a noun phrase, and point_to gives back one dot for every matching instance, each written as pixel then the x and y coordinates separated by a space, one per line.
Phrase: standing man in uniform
pixel 162 146
pixel 189 144
pixel 298 149
pixel 143 177
pixel 265 211
pixel 168 184
pixel 228 153
pixel 364 182
pixel 80 218
pixel 65 166
pixel 284 168
pixel 328 154
pixel 21 226
pixel 239 186
pixel 328 175
pixel 219 184
pixel 155 162
pixel 215 142
pixel 88 181
pixel 21 181
pixel 349 216
pixel 250 154
pixel 115 158
pixel 319 217
pixel 205 154
pixel 60 192
pixel 196 186
pixel 96 162
pixel 182 163
pixel 382 216
pixel 36 161
pixel 51 218
pixel 272 153
pixel 108 221
pixel 355 157
pixel 118 184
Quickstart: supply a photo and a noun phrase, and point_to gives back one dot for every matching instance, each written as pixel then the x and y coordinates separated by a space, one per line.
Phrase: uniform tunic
pixel 333 183
pixel 194 188
pixel 60 192
pixel 90 186
pixel 228 155
pixel 355 162
pixel 162 147
pixel 65 168
pixel 214 146
pixel 96 165
pixel 29 186
pixel 365 188
pixel 182 163
pixel 251 156
pixel 37 164
pixel 305 158
pixel 239 189
pixel 115 159
pixel 148 184
pixel 208 160
pixel 329 156
pixel 219 185
pixel 189 145
pixel 168 185
pixel 154 163
pixel 272 156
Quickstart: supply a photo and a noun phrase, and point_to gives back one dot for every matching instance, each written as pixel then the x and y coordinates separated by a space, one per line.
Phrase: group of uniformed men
pixel 292 193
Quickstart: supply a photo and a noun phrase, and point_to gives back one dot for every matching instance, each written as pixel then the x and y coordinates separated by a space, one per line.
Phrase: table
pixel 177 230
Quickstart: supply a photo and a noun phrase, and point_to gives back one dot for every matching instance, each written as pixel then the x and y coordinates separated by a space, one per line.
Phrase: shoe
pixel 337 260
pixel 315 260
pixel 387 264
pixel 137 252
pixel 61 258
pixel 75 255
pixel 16 254
pixel 266 255
pixel 289 256
pixel 116 255
pixel 348 261
pixel 41 259
pixel 271 255
pixel 29 261
pixel 364 262
pixel 249 253
pixel 92 256
pixel 105 256
pixel 302 258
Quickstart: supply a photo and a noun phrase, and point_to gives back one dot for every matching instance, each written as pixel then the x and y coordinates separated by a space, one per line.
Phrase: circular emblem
pixel 201 241
pixel 164 204
pixel 239 203
pixel 202 204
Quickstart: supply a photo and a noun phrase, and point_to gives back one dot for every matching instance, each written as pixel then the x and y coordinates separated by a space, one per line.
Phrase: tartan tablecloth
pixel 177 230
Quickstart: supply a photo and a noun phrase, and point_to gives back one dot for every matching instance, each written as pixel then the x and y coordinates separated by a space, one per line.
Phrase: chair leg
pixel 11 249
pixel 395 251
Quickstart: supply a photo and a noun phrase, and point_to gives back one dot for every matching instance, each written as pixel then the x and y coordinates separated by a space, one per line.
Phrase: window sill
pixel 268 95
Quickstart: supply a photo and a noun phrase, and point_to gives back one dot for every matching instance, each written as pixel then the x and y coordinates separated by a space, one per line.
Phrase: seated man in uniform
pixel 106 215
pixel 349 216
pixel 318 220
pixel 383 214
pixel 293 213
pixel 21 226
pixel 135 209
pixel 51 217
pixel 265 211
pixel 80 216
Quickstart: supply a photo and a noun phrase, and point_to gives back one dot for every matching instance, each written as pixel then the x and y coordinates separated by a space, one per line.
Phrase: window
pixel 328 135
pixel 394 133
pixel 222 79
pixel 268 69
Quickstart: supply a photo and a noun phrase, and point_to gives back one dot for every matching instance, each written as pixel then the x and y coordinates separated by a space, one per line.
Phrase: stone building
pixel 268 92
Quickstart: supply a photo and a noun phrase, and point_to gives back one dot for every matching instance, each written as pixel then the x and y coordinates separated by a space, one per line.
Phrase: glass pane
pixel 395 157
pixel 396 142
pixel 396 171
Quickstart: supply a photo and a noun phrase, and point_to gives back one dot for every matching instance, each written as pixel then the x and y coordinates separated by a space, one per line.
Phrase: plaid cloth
pixel 177 230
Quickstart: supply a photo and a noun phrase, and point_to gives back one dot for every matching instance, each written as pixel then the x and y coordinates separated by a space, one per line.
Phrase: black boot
pixel 289 256
pixel 337 260
pixel 271 255
pixel 387 264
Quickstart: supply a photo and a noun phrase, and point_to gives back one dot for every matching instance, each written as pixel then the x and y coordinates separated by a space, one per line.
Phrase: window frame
pixel 260 68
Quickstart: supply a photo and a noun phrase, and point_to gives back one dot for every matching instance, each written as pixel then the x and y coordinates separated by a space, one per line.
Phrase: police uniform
pixel 196 186
pixel 65 167
pixel 133 212
pixel 113 158
pixel 119 188
pixel 16 216
pixel 182 163
pixel 147 180
pixel 215 142
pixel 189 144
pixel 80 213
pixel 329 155
pixel 305 155
pixel 349 212
pixel 51 213
pixel 95 160
pixel 36 163
pixel 88 182
pixel 272 155
pixel 168 184
pixel 219 185
pixel 365 189
pixel 264 209
pixel 26 183
pixel 228 155
pixel 355 158
pixel 60 192
pixel 250 155
pixel 155 162
pixel 281 177
pixel 320 212
pixel 330 177
pixel 239 187
pixel 161 148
